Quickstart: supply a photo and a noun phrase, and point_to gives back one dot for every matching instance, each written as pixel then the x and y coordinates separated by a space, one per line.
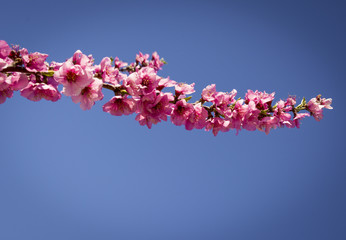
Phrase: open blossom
pixel 4 49
pixel 119 64
pixel 34 62
pixel 155 62
pixel 326 103
pixel 5 90
pixel 268 123
pixel 142 82
pixel 166 82
pixel 181 112
pixel 249 115
pixel 284 118
pixel 3 64
pixel 82 60
pixel 55 65
pixel 120 105
pixel 237 115
pixel 297 118
pixel 217 124
pixel 142 59
pixel 35 91
pixel 4 84
pixel 222 100
pixel 315 108
pixel 109 73
pixel 153 108
pixel 14 82
pixel 17 81
pixel 261 99
pixel 183 89
pixel 208 93
pixel 73 77
pixel 289 103
pixel 197 118
pixel 89 95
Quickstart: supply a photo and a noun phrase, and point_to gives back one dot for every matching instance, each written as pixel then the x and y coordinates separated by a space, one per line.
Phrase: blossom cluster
pixel 138 89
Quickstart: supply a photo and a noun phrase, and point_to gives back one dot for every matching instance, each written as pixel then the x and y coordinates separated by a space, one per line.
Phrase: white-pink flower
pixel 261 99
pixel 217 124
pixel 153 108
pixel 142 82
pixel 34 62
pixel 5 50
pixel 109 73
pixel 183 89
pixel 89 95
pixel 315 108
pixel 36 91
pixel 3 64
pixel 155 62
pixel 197 119
pixel 181 112
pixel 120 105
pixel 208 93
pixel 73 77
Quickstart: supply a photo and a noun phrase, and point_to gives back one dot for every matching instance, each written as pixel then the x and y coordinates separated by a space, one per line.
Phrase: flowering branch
pixel 138 89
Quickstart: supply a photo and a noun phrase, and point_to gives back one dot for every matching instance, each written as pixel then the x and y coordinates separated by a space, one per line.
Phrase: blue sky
pixel 67 174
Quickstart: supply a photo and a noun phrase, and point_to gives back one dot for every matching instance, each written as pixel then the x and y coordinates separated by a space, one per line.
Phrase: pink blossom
pixel 291 101
pixel 119 64
pixel 73 77
pixel 55 65
pixel 142 82
pixel 284 118
pixel 166 82
pixel 222 100
pixel 34 62
pixel 217 124
pixel 297 118
pixel 17 81
pixel 82 60
pixel 89 95
pixel 197 119
pixel 250 117
pixel 4 94
pixel 5 88
pixel 155 62
pixel 3 64
pixel 142 59
pixel 315 108
pixel 326 103
pixel 181 112
pixel 268 123
pixel 183 89
pixel 153 108
pixel 236 116
pixel 109 73
pixel 120 105
pixel 261 99
pixel 14 82
pixel 36 91
pixel 5 50
pixel 4 82
pixel 208 93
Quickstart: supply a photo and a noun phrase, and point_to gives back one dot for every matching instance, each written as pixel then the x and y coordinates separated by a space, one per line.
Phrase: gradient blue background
pixel 72 174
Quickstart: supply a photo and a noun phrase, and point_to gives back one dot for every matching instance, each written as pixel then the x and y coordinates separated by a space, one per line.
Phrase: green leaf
pixel 48 74
pixel 188 98
pixel 163 61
